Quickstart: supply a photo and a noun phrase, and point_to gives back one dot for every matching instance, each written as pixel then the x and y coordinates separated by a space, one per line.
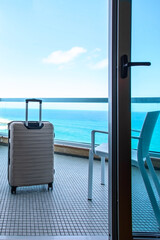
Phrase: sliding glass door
pixel 145 107
pixel 135 131
pixel 119 103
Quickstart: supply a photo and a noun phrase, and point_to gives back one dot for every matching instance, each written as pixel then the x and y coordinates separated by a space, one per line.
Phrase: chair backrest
pixel 146 133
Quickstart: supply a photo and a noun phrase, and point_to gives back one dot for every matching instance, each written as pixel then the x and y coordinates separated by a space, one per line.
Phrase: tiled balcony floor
pixel 34 211
pixel 63 211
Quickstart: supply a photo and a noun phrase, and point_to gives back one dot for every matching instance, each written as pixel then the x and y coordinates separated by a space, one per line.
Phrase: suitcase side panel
pixel 31 155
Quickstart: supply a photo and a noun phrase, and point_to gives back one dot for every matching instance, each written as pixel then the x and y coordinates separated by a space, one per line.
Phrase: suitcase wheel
pixel 13 190
pixel 50 185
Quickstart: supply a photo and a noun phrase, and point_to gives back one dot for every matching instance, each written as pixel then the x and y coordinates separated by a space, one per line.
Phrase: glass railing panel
pixel 139 111
pixel 69 123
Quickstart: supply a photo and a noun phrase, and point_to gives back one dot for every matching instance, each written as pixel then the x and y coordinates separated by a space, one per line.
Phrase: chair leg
pixel 103 170
pixel 150 192
pixel 153 173
pixel 90 175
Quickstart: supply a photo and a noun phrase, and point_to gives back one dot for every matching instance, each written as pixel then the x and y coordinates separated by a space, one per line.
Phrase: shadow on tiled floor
pixel 143 218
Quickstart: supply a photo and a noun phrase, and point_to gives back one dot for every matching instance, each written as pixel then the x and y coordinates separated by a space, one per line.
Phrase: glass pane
pixel 73 122
pixel 145 107
pixel 53 48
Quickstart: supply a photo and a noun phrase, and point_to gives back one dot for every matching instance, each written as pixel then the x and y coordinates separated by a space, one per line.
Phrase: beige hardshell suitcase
pixel 30 152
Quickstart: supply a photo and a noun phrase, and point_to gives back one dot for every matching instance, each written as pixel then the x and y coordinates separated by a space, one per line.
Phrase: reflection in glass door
pixel 145 119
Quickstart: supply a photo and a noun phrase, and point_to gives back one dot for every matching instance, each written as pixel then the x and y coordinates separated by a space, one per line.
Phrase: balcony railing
pixel 77 127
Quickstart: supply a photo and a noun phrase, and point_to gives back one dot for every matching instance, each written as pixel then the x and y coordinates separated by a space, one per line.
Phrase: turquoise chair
pixel 141 155
pixel 102 151
pixel 138 159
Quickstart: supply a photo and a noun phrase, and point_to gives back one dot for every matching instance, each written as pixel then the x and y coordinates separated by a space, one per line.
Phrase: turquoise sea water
pixel 70 125
pixel 76 125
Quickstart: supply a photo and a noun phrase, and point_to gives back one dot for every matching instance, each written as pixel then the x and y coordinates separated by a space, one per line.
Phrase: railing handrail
pixel 60 100
pixel 145 100
pixel 85 100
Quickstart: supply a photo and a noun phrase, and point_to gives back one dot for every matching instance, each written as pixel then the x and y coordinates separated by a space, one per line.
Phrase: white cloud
pixel 97 50
pixel 61 57
pixel 100 65
pixel 94 53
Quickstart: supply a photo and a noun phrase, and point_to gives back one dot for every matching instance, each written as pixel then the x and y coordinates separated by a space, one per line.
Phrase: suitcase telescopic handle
pixel 33 100
pixel 40 110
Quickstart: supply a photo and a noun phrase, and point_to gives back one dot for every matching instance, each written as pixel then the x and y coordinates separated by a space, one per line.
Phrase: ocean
pixel 76 125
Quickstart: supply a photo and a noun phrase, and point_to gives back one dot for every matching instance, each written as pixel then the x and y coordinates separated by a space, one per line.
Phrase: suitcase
pixel 30 152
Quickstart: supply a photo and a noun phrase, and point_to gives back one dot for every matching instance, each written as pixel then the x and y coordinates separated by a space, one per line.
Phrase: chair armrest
pixel 135 130
pixel 93 138
pixel 136 137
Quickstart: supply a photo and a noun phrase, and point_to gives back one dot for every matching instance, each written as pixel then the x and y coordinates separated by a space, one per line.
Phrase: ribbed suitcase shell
pixel 31 155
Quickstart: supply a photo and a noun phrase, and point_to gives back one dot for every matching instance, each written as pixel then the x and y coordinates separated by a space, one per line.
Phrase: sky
pixel 145 81
pixel 53 48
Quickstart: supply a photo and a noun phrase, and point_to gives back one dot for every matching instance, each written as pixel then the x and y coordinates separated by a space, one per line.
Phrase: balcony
pixel 65 211
pixel 35 211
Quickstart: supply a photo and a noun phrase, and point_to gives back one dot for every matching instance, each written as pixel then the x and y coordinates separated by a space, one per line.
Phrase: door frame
pixel 120 212
pixel 120 222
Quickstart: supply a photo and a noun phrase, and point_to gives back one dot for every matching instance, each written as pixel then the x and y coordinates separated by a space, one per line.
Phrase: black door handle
pixel 125 65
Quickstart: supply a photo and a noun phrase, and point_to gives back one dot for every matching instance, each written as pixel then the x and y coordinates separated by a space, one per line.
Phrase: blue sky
pixel 53 48
pixel 146 47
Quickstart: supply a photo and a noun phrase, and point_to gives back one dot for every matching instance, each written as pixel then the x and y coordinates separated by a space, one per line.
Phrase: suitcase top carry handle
pixel 40 111
pixel 33 100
